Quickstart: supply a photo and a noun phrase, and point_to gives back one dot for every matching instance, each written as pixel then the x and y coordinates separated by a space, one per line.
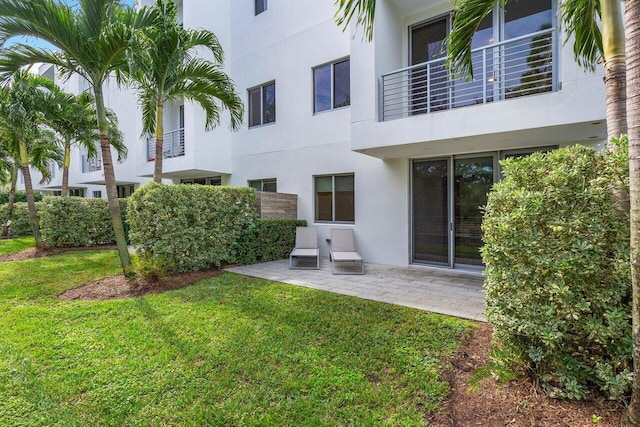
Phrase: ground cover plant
pixel 230 350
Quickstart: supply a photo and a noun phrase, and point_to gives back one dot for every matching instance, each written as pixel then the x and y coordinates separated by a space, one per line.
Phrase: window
pixel 262 104
pixel 212 180
pixel 335 198
pixel 76 192
pixel 125 190
pixel 264 185
pixel 57 193
pixel 260 6
pixel 97 194
pixel 331 86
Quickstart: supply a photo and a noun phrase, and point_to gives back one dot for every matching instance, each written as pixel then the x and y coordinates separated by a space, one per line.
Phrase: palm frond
pixel 580 19
pixel 364 12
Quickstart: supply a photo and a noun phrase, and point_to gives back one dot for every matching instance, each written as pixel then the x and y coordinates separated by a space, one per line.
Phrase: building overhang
pixel 186 174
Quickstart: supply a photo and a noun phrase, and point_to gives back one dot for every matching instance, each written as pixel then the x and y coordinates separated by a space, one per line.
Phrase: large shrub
pixel 558 281
pixel 20 223
pixel 177 228
pixel 75 221
pixel 268 240
pixel 21 196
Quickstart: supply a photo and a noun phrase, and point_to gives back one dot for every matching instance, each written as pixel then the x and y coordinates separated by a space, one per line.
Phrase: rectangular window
pixel 269 185
pixel 331 86
pixel 125 190
pixel 260 6
pixel 97 194
pixel 262 104
pixel 335 197
pixel 57 193
pixel 76 192
pixel 211 180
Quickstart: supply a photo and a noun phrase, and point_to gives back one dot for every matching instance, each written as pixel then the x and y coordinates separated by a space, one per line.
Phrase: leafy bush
pixel 20 224
pixel 21 196
pixel 75 221
pixel 558 278
pixel 268 240
pixel 189 227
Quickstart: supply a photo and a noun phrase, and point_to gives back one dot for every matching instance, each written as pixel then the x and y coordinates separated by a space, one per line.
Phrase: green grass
pixel 227 351
pixel 16 245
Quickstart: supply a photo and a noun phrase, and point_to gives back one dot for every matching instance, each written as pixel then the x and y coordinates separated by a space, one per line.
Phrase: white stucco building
pixel 371 135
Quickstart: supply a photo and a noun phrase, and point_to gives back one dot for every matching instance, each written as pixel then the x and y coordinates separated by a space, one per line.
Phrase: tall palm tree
pixel 580 17
pixel 76 122
pixel 92 41
pixel 632 30
pixel 23 106
pixel 164 68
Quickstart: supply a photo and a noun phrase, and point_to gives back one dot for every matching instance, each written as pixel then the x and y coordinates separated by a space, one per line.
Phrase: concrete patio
pixel 452 292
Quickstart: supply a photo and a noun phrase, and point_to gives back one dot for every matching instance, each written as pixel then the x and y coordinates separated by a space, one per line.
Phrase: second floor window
pixel 262 104
pixel 331 86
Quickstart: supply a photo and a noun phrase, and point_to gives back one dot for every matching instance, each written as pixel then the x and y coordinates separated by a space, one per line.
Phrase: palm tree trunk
pixel 110 182
pixel 632 27
pixel 615 67
pixel 65 169
pixel 12 198
pixel 28 186
pixel 157 165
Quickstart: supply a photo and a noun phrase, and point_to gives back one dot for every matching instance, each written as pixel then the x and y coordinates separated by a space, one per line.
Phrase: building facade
pixel 374 136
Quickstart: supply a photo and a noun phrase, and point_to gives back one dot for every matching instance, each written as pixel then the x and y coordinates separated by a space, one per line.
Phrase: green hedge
pixel 177 228
pixel 558 278
pixel 76 221
pixel 20 224
pixel 21 196
pixel 268 240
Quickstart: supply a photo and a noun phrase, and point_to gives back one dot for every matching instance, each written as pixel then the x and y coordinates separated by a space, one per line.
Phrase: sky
pixel 39 43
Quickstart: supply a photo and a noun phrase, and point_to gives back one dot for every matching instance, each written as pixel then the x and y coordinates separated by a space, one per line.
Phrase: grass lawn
pixel 227 351
pixel 16 245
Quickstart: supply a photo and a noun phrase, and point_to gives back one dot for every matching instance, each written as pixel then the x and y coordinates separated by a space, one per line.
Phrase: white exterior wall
pixel 283 44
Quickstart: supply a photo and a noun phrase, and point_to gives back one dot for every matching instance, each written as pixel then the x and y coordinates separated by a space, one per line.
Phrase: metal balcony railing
pixel 518 67
pixel 172 145
pixel 91 164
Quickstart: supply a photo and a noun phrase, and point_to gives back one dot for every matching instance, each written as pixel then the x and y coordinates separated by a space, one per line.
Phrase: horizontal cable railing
pixel 518 67
pixel 91 164
pixel 172 145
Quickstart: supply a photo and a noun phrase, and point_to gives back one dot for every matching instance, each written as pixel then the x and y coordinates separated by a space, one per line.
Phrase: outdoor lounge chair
pixel 306 247
pixel 343 250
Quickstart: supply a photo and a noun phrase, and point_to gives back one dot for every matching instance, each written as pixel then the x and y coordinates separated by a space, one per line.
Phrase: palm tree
pixel 76 122
pixel 591 46
pixel 92 41
pixel 632 30
pixel 23 105
pixel 165 68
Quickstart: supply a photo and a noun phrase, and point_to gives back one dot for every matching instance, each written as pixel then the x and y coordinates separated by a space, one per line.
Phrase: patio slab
pixel 451 292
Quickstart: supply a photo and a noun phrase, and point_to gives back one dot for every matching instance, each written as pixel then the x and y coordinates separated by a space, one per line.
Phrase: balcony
pixel 172 146
pixel 514 68
pixel 91 164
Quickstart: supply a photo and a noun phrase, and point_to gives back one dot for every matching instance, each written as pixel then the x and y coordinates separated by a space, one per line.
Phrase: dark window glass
pixel 322 88
pixel 269 185
pixel 255 109
pixel 335 198
pixel 342 84
pixel 526 17
pixel 261 6
pixel 427 41
pixel 344 196
pixel 181 117
pixel 269 103
pixel 256 184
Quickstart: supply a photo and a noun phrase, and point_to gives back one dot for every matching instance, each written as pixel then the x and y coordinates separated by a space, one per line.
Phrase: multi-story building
pixel 375 136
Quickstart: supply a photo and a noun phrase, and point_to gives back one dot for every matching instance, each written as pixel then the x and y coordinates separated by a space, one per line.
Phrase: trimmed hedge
pixel 177 228
pixel 20 224
pixel 76 221
pixel 268 240
pixel 558 276
pixel 21 196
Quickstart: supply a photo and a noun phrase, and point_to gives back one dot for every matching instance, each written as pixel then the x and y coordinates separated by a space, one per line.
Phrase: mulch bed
pixel 38 253
pixel 519 403
pixel 118 287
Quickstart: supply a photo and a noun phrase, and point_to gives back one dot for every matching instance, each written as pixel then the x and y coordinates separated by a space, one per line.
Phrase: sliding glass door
pixel 447 196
